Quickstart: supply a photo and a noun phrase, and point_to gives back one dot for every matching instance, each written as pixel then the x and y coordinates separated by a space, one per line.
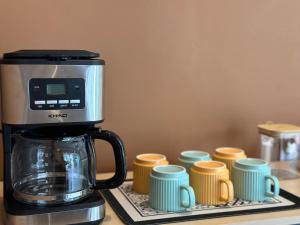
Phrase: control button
pixel 75 101
pixel 51 102
pixel 63 101
pixel 40 102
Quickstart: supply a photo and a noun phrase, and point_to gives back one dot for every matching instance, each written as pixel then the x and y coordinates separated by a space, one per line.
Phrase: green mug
pixel 169 189
pixel 252 180
pixel 189 157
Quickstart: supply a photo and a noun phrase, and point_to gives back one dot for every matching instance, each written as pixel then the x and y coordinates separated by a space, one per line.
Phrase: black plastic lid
pixel 72 57
pixel 50 54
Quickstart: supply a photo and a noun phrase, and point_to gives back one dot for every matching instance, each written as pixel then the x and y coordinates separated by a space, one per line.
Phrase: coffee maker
pixel 52 101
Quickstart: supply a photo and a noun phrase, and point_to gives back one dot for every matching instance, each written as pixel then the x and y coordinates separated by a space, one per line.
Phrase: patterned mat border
pixel 121 212
pixel 157 212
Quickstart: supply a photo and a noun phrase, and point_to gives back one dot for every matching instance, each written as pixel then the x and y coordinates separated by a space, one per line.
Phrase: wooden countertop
pixel 292 186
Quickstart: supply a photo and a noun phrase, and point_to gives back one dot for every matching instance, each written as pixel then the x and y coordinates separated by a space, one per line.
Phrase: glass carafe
pixel 60 169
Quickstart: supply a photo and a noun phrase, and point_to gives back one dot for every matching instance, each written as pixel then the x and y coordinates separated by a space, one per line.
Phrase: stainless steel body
pixel 85 215
pixel 16 99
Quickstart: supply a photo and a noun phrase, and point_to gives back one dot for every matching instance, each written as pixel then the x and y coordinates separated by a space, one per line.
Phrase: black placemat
pixel 134 209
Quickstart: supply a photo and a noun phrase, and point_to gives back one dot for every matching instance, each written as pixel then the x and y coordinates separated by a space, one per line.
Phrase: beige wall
pixel 180 74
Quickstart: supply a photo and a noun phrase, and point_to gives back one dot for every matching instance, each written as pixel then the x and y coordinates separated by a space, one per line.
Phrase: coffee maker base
pixel 89 216
pixel 90 211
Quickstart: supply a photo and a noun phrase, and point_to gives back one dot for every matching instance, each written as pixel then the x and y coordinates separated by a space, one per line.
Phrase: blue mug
pixel 252 180
pixel 187 158
pixel 169 189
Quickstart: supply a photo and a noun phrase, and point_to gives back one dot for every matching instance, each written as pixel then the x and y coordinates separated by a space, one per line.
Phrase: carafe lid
pixel 55 132
pixel 278 129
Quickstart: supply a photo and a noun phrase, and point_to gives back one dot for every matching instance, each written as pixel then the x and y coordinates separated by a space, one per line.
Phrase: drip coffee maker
pixel 51 103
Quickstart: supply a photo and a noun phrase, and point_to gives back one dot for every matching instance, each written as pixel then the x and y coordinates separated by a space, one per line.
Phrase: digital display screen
pixel 56 89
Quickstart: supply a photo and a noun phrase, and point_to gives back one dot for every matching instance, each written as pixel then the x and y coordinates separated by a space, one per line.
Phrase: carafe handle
pixel 120 159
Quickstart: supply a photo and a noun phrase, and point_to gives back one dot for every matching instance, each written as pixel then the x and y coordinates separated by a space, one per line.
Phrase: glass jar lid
pixel 278 129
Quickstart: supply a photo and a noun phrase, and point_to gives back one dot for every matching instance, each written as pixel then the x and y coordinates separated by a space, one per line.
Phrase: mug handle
pixel 120 160
pixel 191 194
pixel 276 186
pixel 229 187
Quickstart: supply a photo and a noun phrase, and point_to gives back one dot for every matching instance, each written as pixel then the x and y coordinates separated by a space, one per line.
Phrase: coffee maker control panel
pixel 57 93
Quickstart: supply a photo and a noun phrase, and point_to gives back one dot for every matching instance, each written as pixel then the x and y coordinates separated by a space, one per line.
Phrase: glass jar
pixel 279 141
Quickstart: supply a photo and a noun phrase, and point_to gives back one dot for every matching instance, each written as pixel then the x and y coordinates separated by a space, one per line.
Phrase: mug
pixel 228 155
pixel 210 181
pixel 142 167
pixel 252 180
pixel 187 158
pixel 170 190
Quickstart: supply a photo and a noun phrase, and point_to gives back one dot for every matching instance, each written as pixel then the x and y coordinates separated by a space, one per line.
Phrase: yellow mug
pixel 211 184
pixel 229 155
pixel 142 167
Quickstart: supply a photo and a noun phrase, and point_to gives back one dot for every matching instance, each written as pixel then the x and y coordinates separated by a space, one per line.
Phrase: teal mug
pixel 187 158
pixel 169 189
pixel 252 180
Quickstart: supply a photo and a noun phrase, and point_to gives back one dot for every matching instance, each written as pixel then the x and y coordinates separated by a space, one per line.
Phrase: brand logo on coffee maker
pixel 63 115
